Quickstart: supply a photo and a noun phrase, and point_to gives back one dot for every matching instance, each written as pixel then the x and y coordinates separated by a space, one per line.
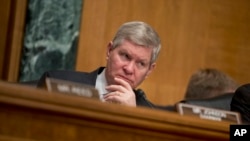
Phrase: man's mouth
pixel 126 79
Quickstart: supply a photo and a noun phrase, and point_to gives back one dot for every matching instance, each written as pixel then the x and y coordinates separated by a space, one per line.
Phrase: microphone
pixel 141 93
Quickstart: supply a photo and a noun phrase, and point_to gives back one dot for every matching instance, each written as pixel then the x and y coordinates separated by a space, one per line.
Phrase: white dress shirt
pixel 101 83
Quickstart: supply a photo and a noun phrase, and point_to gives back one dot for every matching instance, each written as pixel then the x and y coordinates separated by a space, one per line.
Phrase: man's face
pixel 129 62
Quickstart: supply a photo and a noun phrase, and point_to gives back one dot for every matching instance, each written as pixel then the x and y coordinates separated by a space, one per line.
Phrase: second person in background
pixel 208 83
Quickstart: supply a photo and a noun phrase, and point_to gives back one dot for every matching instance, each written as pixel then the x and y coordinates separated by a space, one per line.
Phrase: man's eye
pixel 124 55
pixel 141 64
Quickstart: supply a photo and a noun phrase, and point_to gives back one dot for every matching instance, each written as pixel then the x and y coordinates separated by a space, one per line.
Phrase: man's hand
pixel 122 93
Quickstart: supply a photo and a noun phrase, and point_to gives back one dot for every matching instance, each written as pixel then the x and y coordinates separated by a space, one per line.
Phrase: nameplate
pixel 208 113
pixel 71 88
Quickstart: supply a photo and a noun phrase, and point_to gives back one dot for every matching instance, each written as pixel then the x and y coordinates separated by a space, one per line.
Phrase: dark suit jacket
pixel 88 78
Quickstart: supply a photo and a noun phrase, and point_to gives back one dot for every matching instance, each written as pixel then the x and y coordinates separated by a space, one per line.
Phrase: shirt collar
pixel 101 83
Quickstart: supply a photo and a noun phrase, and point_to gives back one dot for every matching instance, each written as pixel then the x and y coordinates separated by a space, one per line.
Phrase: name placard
pixel 208 113
pixel 73 88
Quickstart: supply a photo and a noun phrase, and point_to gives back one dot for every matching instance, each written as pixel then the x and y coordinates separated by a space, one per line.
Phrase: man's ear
pixel 151 68
pixel 109 48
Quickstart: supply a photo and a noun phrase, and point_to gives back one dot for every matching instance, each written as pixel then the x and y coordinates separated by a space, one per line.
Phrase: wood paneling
pixel 13 32
pixel 195 34
pixel 32 114
pixel 4 14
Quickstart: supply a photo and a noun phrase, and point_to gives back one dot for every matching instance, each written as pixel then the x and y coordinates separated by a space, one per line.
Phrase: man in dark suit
pixel 241 102
pixel 130 56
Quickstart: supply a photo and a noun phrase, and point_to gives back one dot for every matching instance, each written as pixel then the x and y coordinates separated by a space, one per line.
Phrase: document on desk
pixel 71 88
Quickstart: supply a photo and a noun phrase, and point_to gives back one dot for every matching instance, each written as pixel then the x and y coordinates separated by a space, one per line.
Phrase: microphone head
pixel 140 93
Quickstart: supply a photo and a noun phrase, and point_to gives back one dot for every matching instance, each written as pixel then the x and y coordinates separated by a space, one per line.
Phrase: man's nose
pixel 129 67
